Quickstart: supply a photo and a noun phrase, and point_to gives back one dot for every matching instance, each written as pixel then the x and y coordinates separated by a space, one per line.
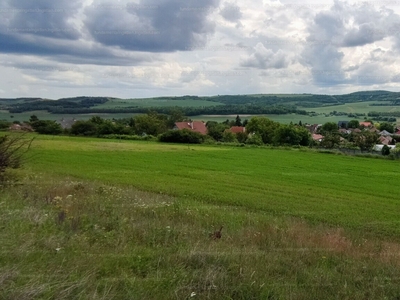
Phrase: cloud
pixel 263 58
pixel 152 25
pixel 41 18
pixel 231 12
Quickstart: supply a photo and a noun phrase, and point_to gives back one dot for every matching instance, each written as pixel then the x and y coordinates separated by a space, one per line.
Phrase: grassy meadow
pixel 103 219
pixel 122 103
pixel 357 107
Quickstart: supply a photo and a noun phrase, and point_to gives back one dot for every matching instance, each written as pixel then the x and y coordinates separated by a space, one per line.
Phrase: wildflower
pixel 192 294
pixel 58 249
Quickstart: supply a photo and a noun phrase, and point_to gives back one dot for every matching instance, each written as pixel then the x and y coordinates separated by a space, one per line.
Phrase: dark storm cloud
pixel 153 26
pixel 67 51
pixel 45 28
pixel 40 18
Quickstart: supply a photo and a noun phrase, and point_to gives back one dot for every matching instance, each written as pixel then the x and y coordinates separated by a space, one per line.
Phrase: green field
pixel 284 119
pixel 43 115
pixel 103 219
pixel 357 107
pixel 123 103
pixel 275 181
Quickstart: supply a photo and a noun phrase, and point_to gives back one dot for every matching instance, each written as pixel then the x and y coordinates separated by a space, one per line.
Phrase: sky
pixel 149 48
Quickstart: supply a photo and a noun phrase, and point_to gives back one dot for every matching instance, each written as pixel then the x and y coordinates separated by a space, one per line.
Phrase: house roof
pixel 384 132
pixel 385 140
pixel 313 127
pixel 317 137
pixel 237 129
pixel 21 127
pixel 365 124
pixel 196 126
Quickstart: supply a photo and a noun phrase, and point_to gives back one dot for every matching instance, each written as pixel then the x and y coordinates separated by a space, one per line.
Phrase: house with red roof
pixel 196 126
pixel 237 129
pixel 366 124
pixel 317 137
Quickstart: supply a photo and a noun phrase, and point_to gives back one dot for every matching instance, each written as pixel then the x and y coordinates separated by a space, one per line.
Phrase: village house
pixel 313 128
pixel 317 137
pixel 366 124
pixel 196 126
pixel 21 127
pixel 237 129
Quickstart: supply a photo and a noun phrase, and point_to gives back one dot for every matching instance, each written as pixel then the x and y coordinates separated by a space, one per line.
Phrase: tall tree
pixel 238 121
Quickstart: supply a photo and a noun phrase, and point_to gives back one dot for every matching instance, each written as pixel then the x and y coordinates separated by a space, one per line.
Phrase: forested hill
pixel 193 105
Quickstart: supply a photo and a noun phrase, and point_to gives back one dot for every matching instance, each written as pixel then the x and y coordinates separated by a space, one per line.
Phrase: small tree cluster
pixel 182 136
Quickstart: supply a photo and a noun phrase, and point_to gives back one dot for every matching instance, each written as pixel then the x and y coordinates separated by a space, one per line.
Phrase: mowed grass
pixel 341 190
pixel 100 219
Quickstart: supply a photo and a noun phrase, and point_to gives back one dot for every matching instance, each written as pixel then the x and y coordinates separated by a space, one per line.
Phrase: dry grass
pixel 70 239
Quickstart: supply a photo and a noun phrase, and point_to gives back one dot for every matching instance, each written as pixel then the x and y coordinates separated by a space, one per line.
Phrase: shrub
pixel 385 150
pixel 182 136
pixel 12 149
pixel 254 139
pixel 47 127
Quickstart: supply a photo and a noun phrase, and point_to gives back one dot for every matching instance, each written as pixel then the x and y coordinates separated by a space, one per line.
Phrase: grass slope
pixel 95 219
pixel 347 191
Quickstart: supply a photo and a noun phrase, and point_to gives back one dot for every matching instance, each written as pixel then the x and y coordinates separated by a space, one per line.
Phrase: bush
pixel 385 150
pixel 12 149
pixel 182 136
pixel 4 124
pixel 254 139
pixel 46 127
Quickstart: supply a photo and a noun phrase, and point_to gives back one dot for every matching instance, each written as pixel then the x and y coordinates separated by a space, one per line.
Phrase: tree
pixel 216 130
pixel 254 139
pixel 229 137
pixel 264 127
pixel 365 140
pixel 386 126
pixel 46 127
pixel 86 128
pixel 329 127
pixel 175 115
pixel 150 123
pixel 182 136
pixel 238 121
pixel 330 140
pixel 4 124
pixel 385 150
pixel 33 119
pixel 291 135
pixel 12 150
pixel 241 137
pixel 353 124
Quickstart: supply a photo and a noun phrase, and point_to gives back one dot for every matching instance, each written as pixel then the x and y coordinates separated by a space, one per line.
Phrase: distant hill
pixel 197 105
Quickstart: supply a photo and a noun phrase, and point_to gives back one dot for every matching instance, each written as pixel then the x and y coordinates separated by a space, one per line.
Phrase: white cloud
pixel 209 47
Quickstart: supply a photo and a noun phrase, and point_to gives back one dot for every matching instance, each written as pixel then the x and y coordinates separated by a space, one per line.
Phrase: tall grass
pixel 64 238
